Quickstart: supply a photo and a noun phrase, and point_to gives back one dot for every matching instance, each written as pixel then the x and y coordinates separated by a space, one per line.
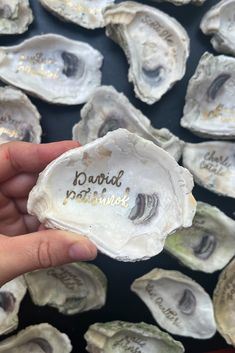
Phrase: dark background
pixel 57 122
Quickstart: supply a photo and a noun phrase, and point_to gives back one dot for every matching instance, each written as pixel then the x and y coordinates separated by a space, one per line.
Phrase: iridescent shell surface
pixel 156 46
pixel 71 288
pixel 178 303
pixel 121 191
pixel 52 67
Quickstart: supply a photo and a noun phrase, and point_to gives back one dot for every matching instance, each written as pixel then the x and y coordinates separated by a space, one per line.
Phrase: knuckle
pixel 45 257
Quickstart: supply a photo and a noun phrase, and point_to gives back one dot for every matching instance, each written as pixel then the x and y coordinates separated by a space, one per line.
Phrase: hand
pixel 24 244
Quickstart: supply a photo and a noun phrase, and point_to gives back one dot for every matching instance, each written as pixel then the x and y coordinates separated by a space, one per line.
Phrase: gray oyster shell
pixel 218 22
pixel 71 288
pixel 212 165
pixel 52 67
pixel 183 2
pixel 121 191
pixel 209 244
pixel 121 337
pixel 156 46
pixel 15 16
pixel 88 14
pixel 223 299
pixel 11 295
pixel 178 304
pixel 108 110
pixel 19 118
pixel 42 338
pixel 210 109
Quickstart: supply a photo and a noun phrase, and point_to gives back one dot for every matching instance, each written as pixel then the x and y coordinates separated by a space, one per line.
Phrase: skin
pixel 25 245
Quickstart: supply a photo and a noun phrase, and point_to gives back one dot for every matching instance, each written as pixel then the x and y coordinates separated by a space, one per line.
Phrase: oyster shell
pixel 209 109
pixel 183 2
pixel 209 244
pixel 72 288
pixel 54 68
pixel 15 16
pixel 156 46
pixel 223 299
pixel 212 165
pixel 11 295
pixel 219 22
pixel 108 110
pixel 121 191
pixel 19 118
pixel 42 338
pixel 120 337
pixel 88 14
pixel 178 304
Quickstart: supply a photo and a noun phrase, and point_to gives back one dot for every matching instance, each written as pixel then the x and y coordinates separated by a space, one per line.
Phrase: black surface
pixel 57 123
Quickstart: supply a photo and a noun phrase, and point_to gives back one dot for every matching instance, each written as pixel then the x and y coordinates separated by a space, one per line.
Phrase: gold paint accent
pixel 10 133
pixel 218 113
pixel 81 8
pixel 95 199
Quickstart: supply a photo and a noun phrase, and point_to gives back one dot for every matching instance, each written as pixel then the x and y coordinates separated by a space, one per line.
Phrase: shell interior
pixel 126 185
pixel 177 303
pixel 71 288
pixel 52 67
pixel 156 46
pixel 209 244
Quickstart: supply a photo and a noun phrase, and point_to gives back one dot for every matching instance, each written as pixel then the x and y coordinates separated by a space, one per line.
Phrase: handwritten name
pixel 85 196
pixel 132 344
pixel 82 178
pixel 169 313
pixel 216 164
pixel 69 280
pixel 160 29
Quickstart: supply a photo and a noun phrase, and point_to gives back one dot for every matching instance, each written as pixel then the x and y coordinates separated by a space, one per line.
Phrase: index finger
pixel 24 157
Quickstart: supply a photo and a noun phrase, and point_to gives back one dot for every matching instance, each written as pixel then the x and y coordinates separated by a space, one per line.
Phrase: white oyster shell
pixel 121 191
pixel 210 108
pixel 219 22
pixel 15 16
pixel 71 288
pixel 178 304
pixel 19 118
pixel 224 299
pixel 108 110
pixel 86 13
pixel 156 46
pixel 209 244
pixel 11 295
pixel 212 165
pixel 54 68
pixel 42 338
pixel 120 337
pixel 182 2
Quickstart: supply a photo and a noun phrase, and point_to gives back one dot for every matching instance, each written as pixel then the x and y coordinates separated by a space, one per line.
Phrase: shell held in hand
pixel 42 338
pixel 120 336
pixel 72 288
pixel 209 244
pixel 88 14
pixel 156 46
pixel 178 304
pixel 108 110
pixel 224 299
pixel 19 118
pixel 121 191
pixel 11 295
pixel 210 109
pixel 212 165
pixel 15 16
pixel 54 68
pixel 219 22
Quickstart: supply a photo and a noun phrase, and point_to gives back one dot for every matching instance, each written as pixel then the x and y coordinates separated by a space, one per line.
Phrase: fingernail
pixel 82 252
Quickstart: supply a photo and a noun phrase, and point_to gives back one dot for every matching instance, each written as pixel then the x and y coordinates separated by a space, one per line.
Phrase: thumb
pixel 43 249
